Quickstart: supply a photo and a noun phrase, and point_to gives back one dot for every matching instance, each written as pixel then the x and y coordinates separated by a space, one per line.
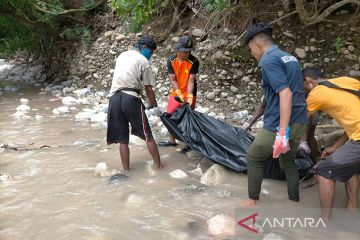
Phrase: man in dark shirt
pixel 284 114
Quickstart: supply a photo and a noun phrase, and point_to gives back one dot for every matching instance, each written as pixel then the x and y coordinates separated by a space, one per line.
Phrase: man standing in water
pixel 182 69
pixel 284 112
pixel 132 72
pixel 342 160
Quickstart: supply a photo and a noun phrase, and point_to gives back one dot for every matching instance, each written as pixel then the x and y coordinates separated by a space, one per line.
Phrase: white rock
pixel 69 101
pixel 99 117
pixel 221 225
pixel 85 114
pixel 100 167
pixel 213 176
pixel 210 96
pixel 178 174
pixel 233 89
pixel 197 32
pixel 300 52
pixel 202 109
pixel 212 114
pixel 241 114
pixel 23 108
pixel 351 48
pixel 24 101
pixel 82 91
pixel 163 130
pixel 61 110
pixel 83 101
pixel 20 115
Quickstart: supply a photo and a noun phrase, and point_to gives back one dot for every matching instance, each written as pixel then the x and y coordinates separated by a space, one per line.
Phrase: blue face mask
pixel 146 52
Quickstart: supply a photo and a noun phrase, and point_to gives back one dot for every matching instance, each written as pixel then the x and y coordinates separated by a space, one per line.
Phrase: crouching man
pixel 342 160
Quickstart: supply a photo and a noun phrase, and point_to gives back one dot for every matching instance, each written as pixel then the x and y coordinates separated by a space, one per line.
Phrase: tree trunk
pixel 308 18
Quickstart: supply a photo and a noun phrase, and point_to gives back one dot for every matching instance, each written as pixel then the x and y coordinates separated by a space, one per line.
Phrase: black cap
pixel 255 29
pixel 147 41
pixel 185 44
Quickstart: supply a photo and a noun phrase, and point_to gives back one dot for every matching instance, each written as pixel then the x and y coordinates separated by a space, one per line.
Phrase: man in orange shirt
pixel 342 160
pixel 182 69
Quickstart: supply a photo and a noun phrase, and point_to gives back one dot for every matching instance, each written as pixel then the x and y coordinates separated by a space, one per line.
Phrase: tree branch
pixel 316 17
pixel 69 10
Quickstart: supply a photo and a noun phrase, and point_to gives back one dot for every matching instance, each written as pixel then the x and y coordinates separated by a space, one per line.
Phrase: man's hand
pixel 281 143
pixel 328 151
pixel 190 98
pixel 179 94
pixel 246 127
pixel 158 111
pixel 304 146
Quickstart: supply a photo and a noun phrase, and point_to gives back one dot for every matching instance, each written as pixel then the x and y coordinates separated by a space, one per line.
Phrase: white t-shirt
pixel 132 70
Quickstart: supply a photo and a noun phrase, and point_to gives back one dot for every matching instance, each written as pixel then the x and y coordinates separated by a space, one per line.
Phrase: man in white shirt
pixel 132 73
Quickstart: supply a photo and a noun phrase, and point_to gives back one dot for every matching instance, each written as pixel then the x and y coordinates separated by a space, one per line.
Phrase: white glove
pixel 158 111
pixel 304 146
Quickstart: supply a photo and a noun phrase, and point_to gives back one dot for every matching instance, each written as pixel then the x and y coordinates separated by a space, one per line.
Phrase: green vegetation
pixel 138 11
pixel 339 43
pixel 36 25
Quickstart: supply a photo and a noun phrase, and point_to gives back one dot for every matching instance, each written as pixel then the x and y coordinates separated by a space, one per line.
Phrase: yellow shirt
pixel 344 107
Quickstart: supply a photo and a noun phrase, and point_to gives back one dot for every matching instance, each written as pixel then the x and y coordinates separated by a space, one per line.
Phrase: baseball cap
pixel 184 44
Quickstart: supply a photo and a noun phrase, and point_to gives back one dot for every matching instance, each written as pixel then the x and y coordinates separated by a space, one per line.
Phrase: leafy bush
pixel 339 43
pixel 138 11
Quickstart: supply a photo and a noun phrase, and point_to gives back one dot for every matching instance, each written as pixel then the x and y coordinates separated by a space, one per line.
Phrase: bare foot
pixel 248 203
pixel 326 215
pixel 159 166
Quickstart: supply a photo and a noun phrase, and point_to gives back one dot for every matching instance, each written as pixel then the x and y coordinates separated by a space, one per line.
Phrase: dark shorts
pixel 125 109
pixel 342 164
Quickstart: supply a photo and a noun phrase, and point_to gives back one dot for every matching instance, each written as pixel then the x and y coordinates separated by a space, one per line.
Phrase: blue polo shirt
pixel 281 70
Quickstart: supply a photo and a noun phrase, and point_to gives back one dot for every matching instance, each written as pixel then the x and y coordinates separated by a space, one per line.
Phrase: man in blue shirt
pixel 285 115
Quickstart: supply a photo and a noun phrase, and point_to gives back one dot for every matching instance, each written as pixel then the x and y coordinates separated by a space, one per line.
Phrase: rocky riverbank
pixel 229 80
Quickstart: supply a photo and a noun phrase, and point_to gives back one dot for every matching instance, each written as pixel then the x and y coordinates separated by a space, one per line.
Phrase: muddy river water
pixel 54 193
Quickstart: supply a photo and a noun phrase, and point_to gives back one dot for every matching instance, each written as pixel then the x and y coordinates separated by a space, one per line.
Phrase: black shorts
pixel 125 109
pixel 342 164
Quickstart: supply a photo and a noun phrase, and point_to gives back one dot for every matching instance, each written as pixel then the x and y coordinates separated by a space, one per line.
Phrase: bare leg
pixel 172 139
pixel 153 150
pixel 327 195
pixel 125 155
pixel 352 191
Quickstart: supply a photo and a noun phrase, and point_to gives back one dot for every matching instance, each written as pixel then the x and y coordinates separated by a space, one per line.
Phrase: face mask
pixel 146 52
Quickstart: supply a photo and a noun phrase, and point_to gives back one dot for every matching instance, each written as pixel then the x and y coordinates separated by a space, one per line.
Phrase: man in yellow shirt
pixel 342 160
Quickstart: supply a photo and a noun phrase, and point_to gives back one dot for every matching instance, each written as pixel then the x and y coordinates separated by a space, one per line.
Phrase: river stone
pixel 23 108
pixel 213 176
pixel 221 225
pixel 300 52
pixel 178 174
pixel 210 96
pixel 354 73
pixel 68 101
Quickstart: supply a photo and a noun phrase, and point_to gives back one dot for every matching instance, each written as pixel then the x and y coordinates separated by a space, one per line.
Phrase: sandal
pixel 167 144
